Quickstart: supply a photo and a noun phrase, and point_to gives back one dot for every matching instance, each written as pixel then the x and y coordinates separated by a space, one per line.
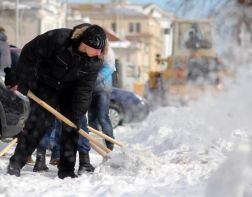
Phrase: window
pixel 167 31
pixel 132 71
pixel 131 27
pixel 134 27
pixel 138 27
pixel 113 26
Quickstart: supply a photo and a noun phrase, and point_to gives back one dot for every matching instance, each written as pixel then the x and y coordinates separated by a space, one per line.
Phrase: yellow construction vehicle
pixel 193 65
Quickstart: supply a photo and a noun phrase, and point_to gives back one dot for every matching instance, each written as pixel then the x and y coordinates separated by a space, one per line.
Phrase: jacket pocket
pixel 58 67
pixel 51 82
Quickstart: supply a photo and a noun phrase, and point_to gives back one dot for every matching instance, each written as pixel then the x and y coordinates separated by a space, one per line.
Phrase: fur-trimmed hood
pixel 80 29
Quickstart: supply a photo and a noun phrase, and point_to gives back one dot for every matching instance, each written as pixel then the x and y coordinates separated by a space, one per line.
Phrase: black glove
pixel 77 120
pixel 10 77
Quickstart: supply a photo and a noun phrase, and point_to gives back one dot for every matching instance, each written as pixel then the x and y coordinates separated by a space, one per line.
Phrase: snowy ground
pixel 202 149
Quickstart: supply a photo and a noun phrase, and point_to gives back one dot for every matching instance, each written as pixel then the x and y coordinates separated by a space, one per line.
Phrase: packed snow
pixel 199 149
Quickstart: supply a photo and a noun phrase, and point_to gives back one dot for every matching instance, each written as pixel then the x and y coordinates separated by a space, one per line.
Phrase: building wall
pixel 144 44
pixel 165 20
pixel 7 21
pixel 154 38
pixel 43 16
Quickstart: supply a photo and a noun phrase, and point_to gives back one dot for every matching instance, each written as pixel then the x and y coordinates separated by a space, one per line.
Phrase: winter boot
pixel 54 162
pixel 13 170
pixel 85 165
pixel 66 174
pixel 109 145
pixel 40 164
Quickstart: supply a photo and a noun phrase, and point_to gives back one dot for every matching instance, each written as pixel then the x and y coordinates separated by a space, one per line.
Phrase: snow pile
pixel 177 151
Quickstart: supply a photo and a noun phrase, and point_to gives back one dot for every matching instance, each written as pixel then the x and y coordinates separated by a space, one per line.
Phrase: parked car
pixel 126 107
pixel 14 109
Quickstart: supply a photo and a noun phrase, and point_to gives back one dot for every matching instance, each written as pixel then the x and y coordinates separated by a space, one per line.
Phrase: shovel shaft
pixel 105 136
pixel 98 150
pixel 66 120
pixel 91 139
pixel 6 148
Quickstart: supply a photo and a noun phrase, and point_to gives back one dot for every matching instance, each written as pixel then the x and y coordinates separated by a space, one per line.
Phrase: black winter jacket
pixel 51 58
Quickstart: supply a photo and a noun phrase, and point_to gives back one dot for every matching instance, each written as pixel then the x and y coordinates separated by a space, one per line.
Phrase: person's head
pixel 191 34
pixel 3 36
pixel 91 39
pixel 195 27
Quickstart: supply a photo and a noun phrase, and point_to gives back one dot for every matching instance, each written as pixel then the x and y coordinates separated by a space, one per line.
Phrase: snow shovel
pixel 6 148
pixel 98 146
pixel 105 136
pixel 10 144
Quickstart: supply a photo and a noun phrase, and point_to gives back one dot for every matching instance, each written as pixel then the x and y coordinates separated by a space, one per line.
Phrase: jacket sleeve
pixel 105 72
pixel 82 97
pixel 41 47
pixel 5 55
pixel 107 68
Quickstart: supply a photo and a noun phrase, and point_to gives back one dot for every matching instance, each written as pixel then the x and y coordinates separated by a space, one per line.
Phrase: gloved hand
pixel 10 78
pixel 75 118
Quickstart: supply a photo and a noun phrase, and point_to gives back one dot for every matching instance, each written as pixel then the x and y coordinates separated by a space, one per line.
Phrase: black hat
pixel 94 36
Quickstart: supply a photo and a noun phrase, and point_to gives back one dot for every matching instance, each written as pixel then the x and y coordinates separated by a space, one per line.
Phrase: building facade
pixel 143 30
pixel 25 19
pixel 140 26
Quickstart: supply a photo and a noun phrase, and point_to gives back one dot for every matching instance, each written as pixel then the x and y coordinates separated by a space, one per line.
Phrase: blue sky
pixel 197 8
pixel 159 2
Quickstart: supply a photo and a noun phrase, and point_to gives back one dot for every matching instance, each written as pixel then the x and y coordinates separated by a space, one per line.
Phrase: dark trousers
pixel 39 121
pixel 51 139
pixel 98 113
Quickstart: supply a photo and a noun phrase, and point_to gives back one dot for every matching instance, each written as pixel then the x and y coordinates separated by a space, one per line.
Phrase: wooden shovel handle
pixel 6 148
pixel 105 136
pixel 66 120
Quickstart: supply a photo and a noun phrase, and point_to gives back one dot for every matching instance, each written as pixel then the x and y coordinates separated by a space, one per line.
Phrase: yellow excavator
pixel 193 65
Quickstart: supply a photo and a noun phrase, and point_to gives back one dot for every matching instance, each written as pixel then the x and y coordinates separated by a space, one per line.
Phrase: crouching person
pixel 60 67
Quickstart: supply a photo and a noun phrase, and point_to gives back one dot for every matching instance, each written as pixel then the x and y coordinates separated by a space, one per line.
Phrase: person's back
pixel 99 108
pixel 5 57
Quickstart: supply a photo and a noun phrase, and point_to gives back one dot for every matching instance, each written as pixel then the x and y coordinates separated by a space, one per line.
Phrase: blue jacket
pixel 104 79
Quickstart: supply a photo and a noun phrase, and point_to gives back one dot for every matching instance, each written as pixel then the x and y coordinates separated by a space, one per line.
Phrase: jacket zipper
pixel 83 72
pixel 66 65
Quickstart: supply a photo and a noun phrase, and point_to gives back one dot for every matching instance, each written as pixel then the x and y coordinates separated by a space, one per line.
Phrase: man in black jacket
pixel 60 67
